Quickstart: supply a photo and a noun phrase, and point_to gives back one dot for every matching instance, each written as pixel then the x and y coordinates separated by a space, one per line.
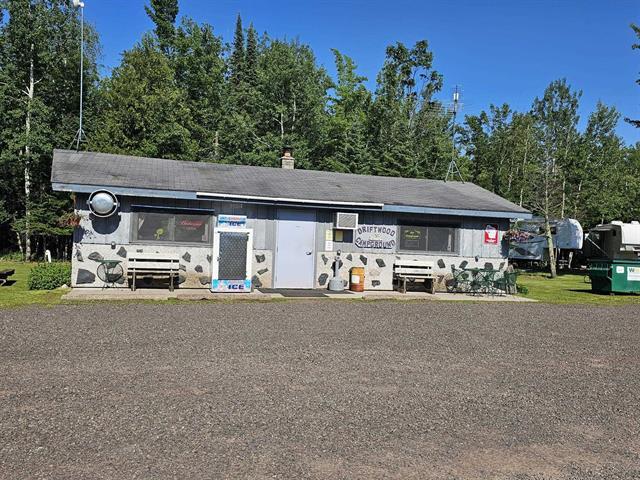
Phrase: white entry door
pixel 295 245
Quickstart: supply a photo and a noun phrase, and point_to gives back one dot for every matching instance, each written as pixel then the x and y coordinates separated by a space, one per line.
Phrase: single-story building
pixel 297 220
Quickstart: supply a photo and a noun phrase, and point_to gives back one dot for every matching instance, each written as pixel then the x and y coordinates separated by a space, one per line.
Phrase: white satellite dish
pixel 103 203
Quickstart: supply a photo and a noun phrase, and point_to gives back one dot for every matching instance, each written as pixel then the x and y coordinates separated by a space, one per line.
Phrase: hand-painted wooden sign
pixel 381 237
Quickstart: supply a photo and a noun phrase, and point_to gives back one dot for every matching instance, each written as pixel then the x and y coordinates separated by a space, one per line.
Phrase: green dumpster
pixel 614 276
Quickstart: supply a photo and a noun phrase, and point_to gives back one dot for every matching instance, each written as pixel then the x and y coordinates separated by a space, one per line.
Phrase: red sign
pixel 191 225
pixel 491 234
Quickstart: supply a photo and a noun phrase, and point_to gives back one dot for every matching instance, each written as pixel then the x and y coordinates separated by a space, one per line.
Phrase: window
pixel 171 228
pixel 413 238
pixel 192 228
pixel 154 227
pixel 342 236
pixel 433 238
pixel 441 239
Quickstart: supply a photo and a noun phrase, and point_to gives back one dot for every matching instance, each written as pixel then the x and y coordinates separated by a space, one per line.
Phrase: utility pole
pixel 80 136
pixel 453 169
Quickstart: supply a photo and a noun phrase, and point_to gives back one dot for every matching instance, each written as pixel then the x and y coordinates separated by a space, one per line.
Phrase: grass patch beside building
pixel 569 289
pixel 17 293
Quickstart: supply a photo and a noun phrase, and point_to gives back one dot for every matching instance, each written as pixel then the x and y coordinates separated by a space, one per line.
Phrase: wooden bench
pixel 413 270
pixel 155 264
pixel 5 274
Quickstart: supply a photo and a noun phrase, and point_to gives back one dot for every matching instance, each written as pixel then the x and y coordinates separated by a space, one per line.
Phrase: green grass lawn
pixel 569 289
pixel 18 294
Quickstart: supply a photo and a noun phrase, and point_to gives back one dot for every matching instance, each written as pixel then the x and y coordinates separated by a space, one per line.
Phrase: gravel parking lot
pixel 320 389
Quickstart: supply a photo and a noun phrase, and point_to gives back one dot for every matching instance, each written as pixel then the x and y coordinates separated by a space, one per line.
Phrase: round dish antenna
pixel 103 203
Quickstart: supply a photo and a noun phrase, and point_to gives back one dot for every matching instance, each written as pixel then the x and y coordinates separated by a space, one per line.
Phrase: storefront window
pixel 441 239
pixel 169 227
pixel 192 228
pixel 413 238
pixel 418 238
pixel 154 227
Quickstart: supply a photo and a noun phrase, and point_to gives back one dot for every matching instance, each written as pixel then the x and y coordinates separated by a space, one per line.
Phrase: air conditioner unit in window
pixel 346 221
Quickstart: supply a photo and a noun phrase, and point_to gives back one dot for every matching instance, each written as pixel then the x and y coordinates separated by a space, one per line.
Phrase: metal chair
pixel 110 272
pixel 461 281
pixel 506 284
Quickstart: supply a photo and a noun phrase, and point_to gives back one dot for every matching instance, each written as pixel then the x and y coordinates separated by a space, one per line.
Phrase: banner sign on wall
pixel 232 220
pixel 491 234
pixel 382 237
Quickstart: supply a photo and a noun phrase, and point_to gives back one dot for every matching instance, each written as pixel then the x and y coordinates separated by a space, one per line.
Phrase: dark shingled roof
pixel 107 170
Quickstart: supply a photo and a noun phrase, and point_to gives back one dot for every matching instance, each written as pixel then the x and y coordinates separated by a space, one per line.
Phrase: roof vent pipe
pixel 287 161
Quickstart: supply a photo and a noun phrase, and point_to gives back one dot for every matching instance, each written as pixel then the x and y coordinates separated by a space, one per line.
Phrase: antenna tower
pixel 456 106
pixel 80 136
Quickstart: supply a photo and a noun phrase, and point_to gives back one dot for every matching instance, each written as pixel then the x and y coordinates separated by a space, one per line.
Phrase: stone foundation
pixel 195 265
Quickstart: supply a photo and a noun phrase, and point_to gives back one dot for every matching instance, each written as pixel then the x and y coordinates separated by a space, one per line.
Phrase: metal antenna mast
pixel 80 135
pixel 453 169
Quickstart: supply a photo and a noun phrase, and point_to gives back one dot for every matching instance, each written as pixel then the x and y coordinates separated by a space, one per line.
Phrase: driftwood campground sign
pixel 381 237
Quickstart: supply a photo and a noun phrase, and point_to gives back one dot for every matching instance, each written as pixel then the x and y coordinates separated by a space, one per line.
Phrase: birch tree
pixel 557 117
pixel 39 60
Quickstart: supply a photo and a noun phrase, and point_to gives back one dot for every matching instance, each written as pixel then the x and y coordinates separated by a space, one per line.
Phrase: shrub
pixel 522 289
pixel 11 257
pixel 48 276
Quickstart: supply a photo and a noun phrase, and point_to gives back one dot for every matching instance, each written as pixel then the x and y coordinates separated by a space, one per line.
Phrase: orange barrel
pixel 356 279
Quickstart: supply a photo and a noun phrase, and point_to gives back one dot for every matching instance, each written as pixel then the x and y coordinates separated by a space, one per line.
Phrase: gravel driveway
pixel 324 389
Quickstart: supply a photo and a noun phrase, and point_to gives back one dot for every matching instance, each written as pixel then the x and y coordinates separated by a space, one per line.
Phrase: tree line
pixel 183 92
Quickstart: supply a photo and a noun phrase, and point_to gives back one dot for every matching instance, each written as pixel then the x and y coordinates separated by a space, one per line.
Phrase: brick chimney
pixel 287 161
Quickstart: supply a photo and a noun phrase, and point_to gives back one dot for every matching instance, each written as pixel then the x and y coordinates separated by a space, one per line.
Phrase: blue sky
pixel 497 51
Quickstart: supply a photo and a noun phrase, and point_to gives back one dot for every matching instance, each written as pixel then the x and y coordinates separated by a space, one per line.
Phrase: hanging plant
pixel 71 220
pixel 516 235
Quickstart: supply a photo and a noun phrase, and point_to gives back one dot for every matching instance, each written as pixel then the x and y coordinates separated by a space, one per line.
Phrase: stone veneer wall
pixel 262 269
pixel 379 267
pixel 195 264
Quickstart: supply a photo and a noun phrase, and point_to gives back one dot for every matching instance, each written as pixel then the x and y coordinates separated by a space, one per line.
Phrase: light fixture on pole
pixel 80 135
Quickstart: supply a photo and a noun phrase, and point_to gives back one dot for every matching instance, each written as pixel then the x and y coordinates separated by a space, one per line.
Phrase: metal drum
pixel 356 279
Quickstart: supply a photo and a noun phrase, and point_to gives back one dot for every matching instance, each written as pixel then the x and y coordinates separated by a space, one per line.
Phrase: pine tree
pixel 251 57
pixel 237 60
pixel 144 111
pixel 163 13
pixel 200 74
pixel 411 135
pixel 346 143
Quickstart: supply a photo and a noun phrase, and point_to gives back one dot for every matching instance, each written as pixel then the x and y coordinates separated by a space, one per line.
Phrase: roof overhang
pixel 458 212
pixel 283 201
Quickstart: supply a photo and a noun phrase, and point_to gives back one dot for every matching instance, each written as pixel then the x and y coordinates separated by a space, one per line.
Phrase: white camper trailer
pixel 530 245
